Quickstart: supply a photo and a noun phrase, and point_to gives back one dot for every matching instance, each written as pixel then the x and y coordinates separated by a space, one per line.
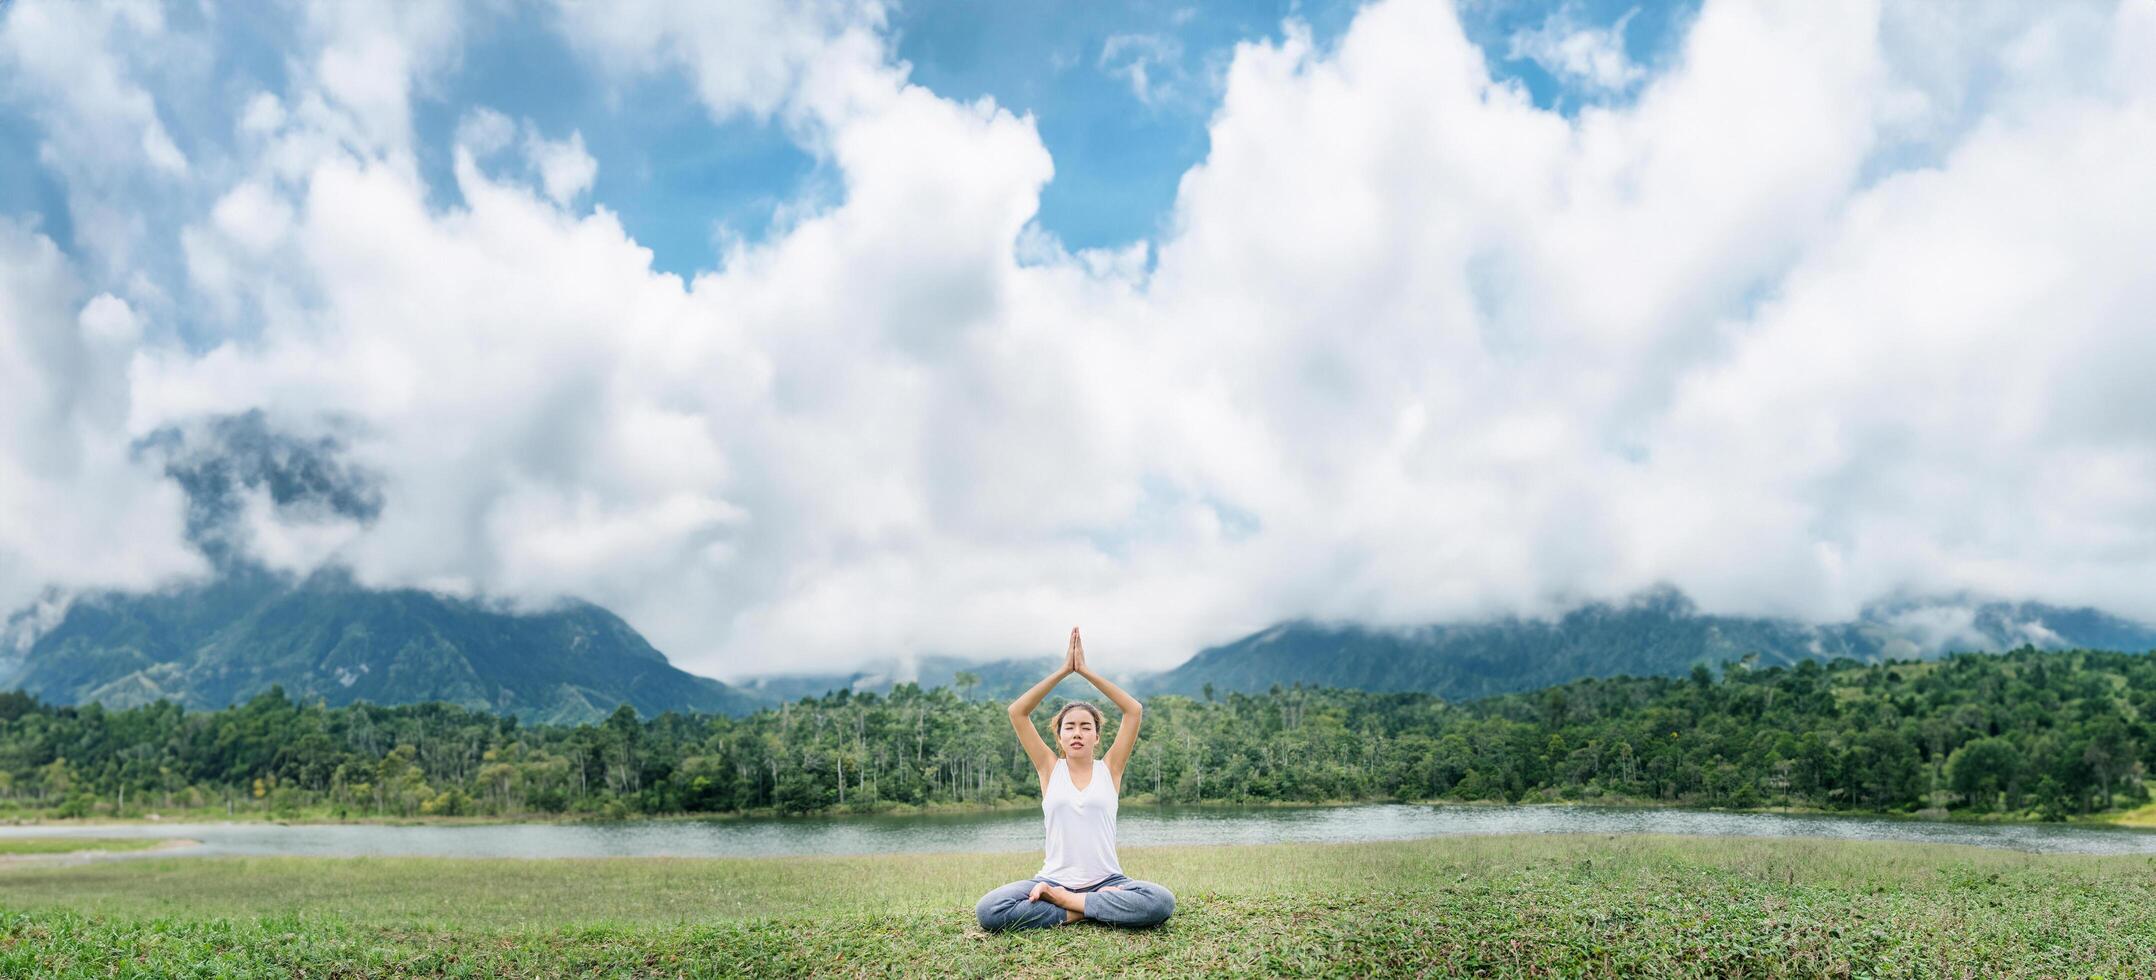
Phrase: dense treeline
pixel 2050 733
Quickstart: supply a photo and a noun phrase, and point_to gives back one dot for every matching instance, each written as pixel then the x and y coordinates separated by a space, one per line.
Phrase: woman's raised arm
pixel 1126 731
pixel 1021 713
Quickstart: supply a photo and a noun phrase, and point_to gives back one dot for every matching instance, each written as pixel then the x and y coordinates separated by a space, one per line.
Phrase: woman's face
pixel 1077 733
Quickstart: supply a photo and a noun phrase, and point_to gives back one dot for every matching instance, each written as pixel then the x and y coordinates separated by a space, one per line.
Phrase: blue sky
pixel 1117 158
pixel 682 181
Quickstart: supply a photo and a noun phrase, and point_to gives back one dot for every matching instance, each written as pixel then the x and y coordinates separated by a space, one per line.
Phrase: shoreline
pixel 90 855
pixel 2140 818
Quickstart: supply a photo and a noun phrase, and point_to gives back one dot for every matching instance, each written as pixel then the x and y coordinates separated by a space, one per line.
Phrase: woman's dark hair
pixel 1055 724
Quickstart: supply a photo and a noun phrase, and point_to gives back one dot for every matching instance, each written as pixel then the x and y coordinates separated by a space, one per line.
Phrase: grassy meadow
pixel 1526 906
pixel 2140 817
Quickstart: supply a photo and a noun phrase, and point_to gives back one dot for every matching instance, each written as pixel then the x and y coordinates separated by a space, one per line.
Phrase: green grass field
pixel 1529 906
pixel 2141 817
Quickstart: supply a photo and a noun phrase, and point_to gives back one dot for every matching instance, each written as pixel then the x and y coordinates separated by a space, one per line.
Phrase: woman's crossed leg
pixel 1117 901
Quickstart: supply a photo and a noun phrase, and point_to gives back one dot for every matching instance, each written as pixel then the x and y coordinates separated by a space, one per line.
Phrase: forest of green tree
pixel 2050 734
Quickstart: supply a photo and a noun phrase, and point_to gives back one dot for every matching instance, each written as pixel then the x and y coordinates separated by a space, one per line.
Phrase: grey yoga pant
pixel 1135 903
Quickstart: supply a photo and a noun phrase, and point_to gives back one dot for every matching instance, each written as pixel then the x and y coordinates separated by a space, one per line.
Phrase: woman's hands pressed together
pixel 1074 657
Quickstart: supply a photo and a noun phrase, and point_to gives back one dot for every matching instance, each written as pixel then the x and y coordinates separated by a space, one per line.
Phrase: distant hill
pixel 1657 633
pixel 222 642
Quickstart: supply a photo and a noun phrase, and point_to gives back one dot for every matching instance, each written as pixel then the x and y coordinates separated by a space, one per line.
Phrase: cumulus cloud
pixel 757 58
pixel 362 60
pixel 93 102
pixel 1785 326
pixel 565 168
pixel 1591 58
pixel 80 512
pixel 67 65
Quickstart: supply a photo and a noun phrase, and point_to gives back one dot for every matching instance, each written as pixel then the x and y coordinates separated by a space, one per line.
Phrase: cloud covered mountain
pixel 1656 633
pixel 264 509
pixel 326 637
pixel 218 643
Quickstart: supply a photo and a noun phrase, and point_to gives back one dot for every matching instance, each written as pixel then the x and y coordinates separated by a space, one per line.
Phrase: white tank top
pixel 1081 828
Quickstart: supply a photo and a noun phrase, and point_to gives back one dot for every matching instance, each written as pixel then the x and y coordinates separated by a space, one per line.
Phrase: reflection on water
pixel 1017 830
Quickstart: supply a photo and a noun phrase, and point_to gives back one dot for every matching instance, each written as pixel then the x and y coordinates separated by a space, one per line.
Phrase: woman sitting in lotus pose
pixel 1081 878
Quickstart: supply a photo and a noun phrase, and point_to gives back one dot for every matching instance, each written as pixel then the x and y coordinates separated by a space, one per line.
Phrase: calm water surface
pixel 1015 830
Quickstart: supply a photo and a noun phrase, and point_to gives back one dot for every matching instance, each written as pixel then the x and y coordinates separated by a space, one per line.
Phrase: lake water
pixel 1015 830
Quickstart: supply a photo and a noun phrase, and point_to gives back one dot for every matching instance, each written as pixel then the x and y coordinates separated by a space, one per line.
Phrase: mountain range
pixel 324 637
pixel 1659 632
pixel 211 644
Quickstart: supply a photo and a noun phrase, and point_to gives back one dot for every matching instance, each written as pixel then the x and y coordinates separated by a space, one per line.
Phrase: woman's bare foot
pixel 1072 903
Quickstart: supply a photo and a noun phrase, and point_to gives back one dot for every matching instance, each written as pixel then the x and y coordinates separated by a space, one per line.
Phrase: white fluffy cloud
pixel 67 66
pixel 757 57
pixel 1833 306
pixel 80 510
pixel 1592 58
pixel 566 170
pixel 60 58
